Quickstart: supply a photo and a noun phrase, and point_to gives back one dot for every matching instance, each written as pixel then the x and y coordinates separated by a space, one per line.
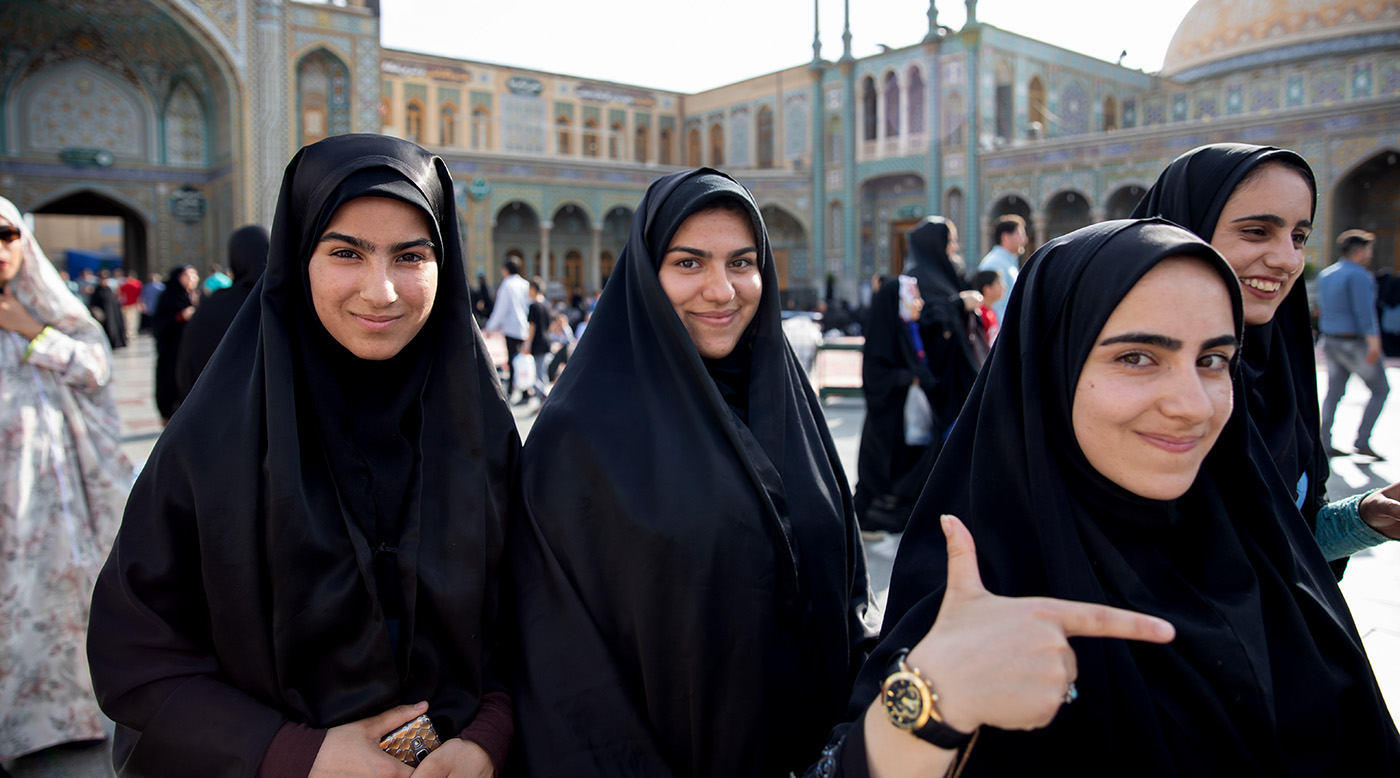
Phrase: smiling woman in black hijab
pixel 691 586
pixel 1255 204
pixel 1110 381
pixel 315 539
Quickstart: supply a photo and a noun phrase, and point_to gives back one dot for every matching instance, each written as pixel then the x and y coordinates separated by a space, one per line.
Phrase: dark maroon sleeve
pixel 292 752
pixel 492 729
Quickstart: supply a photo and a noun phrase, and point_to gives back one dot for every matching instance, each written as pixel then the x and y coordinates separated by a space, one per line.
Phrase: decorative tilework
pixel 523 123
pixel 1361 80
pixel 1179 108
pixel 1234 99
pixel 82 106
pixel 1154 113
pixel 1129 114
pixel 1265 98
pixel 305 39
pixel 184 128
pixel 1296 94
pixel 1328 88
pixel 1207 106
pixel 797 129
pixel 366 74
pixel 1390 77
pixel 448 95
pixel 419 91
pixel 1074 109
pixel 738 152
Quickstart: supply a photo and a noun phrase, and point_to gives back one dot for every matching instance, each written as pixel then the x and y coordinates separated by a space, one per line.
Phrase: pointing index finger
pixel 1083 619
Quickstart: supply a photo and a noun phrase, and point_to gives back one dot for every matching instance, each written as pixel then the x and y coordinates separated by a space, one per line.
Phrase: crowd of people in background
pixel 1126 421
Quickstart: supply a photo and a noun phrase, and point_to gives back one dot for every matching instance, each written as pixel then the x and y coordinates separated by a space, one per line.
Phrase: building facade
pixel 178 116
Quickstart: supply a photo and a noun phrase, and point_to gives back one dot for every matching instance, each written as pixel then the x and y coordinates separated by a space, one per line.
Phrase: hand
pixel 1373 350
pixel 1006 661
pixel 15 318
pixel 352 750
pixel 1381 511
pixel 457 758
pixel 971 300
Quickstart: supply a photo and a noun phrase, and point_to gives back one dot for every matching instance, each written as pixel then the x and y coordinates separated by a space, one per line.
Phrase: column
pixel 1042 229
pixel 593 275
pixel 545 227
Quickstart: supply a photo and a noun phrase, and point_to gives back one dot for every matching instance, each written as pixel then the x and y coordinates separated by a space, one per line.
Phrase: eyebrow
pixel 1273 219
pixel 706 255
pixel 1162 341
pixel 366 246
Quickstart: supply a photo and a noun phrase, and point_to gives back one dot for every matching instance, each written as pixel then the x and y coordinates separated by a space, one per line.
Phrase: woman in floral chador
pixel 63 482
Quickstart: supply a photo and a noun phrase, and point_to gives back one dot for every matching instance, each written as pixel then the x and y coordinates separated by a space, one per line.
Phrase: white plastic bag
pixel 918 418
pixel 524 367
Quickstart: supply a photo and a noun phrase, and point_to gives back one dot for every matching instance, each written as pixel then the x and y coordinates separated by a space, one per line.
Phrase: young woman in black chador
pixel 1255 205
pixel 1109 396
pixel 313 548
pixel 890 472
pixel 690 586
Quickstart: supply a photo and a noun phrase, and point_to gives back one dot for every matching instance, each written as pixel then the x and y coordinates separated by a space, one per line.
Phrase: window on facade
pixel 323 94
pixel 481 128
pixel 955 207
pixel 615 141
pixel 413 121
pixel 833 140
pixel 835 227
pixel 692 148
pixel 765 137
pixel 717 145
pixel 561 141
pixel 639 144
pixel 867 102
pixel 916 102
pixel 1110 113
pixel 891 106
pixel 665 147
pixel 1035 108
pixel 447 126
pixel 590 138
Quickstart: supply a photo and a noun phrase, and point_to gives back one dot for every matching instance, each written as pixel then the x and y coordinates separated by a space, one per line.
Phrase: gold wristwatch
pixel 913 707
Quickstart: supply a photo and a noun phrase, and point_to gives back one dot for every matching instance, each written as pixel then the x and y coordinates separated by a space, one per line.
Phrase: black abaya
pixel 169 329
pixel 690 582
pixel 1267 674
pixel 335 551
pixel 891 474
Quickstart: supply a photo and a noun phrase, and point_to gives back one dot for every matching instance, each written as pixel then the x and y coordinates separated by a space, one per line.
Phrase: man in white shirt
pixel 1010 238
pixel 508 315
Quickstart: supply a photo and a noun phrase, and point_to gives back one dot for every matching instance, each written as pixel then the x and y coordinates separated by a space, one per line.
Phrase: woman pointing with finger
pixel 1109 396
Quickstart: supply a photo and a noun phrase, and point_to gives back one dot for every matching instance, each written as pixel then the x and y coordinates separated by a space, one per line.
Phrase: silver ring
pixel 1072 693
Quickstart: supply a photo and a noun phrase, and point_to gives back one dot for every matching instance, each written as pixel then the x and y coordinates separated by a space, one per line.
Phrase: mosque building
pixel 172 120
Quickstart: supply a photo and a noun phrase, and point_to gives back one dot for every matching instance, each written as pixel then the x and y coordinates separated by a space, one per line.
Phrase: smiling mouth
pixel 1262 284
pixel 716 318
pixel 1171 443
pixel 375 323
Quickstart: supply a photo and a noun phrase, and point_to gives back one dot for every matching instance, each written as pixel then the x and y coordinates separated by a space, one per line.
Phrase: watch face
pixel 906 700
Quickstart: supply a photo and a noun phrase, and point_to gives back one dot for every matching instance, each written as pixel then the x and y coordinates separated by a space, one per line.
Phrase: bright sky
pixel 693 46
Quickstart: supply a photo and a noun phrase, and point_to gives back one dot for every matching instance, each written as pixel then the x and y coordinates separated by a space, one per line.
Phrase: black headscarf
pixel 247 257
pixel 690 585
pixel 943 322
pixel 249 585
pixel 1280 368
pixel 891 474
pixel 1266 676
